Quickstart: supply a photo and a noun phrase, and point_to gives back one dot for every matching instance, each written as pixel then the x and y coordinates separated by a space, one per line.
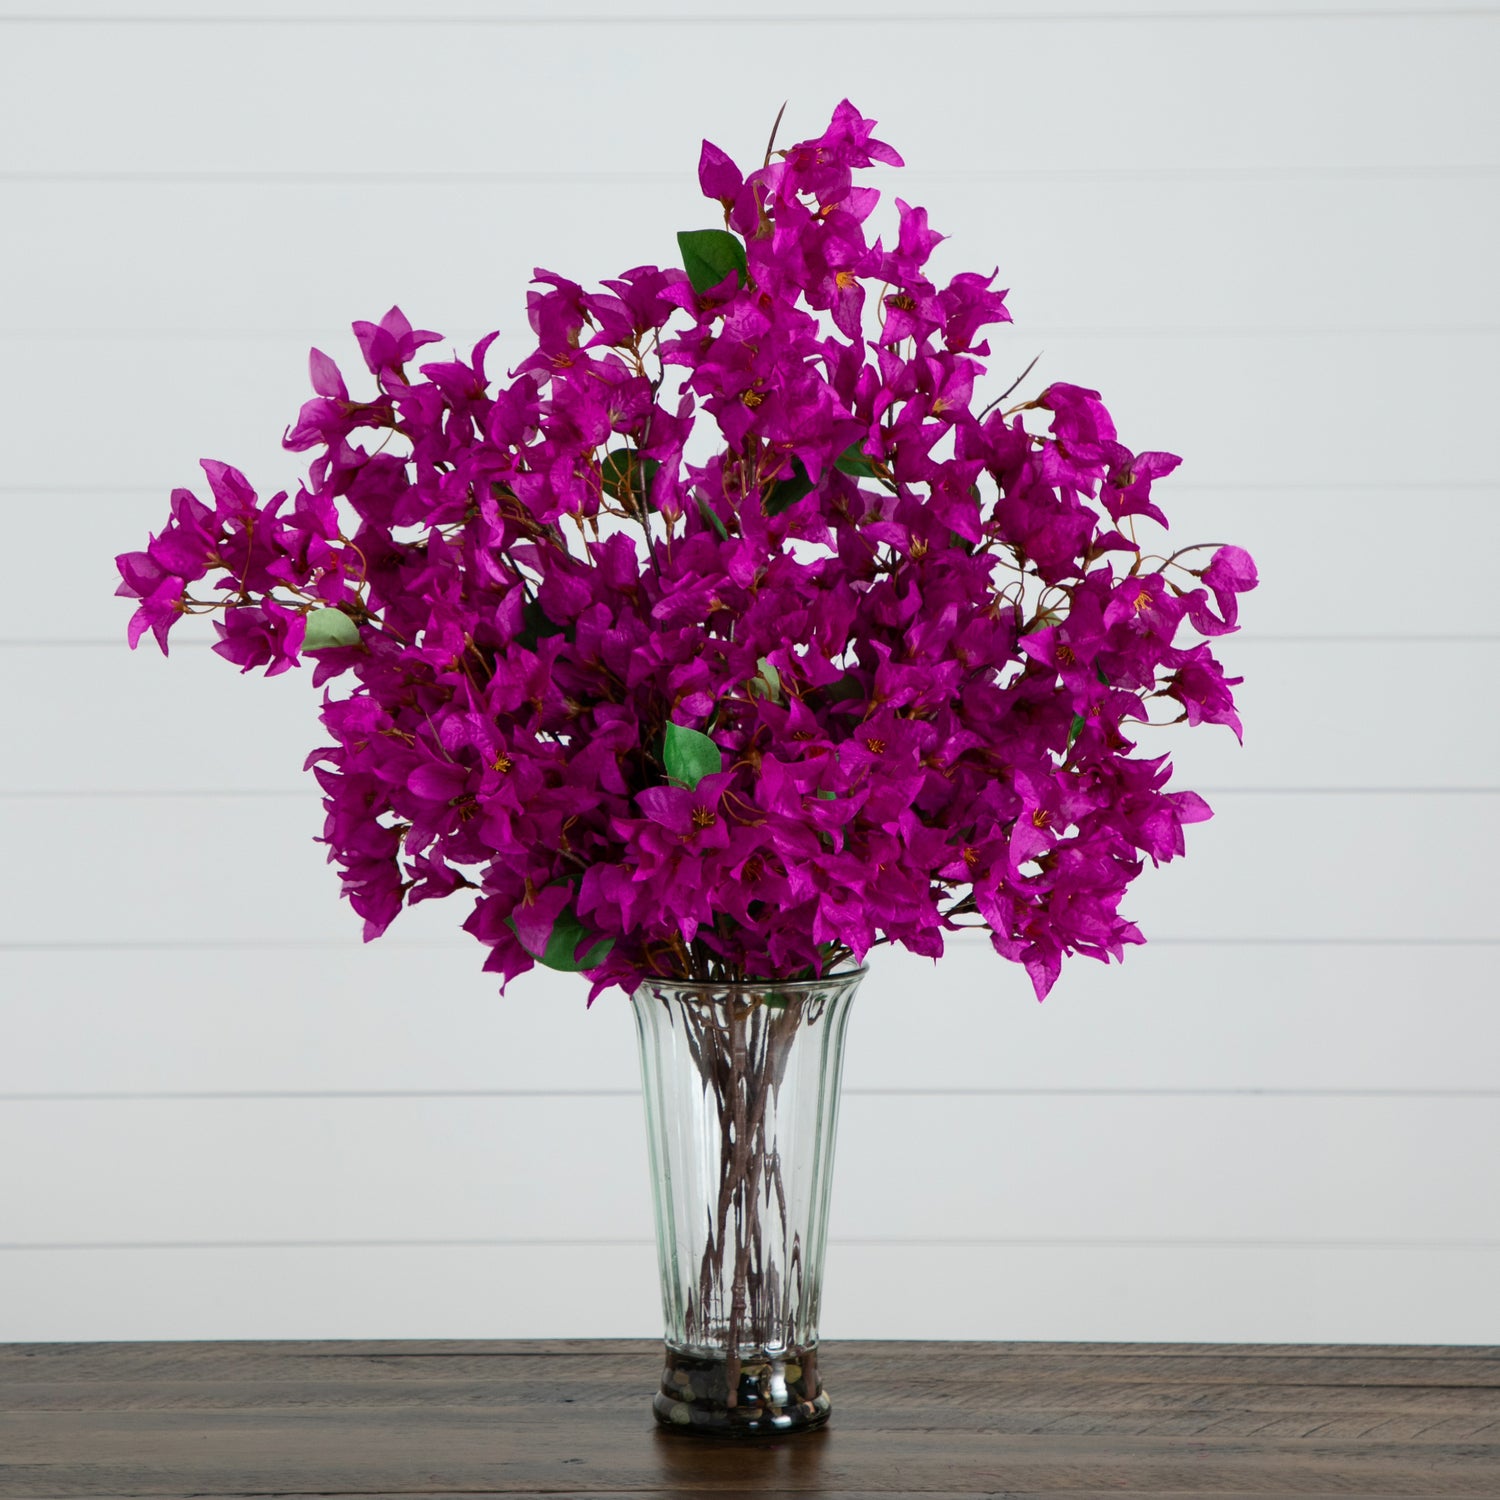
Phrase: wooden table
pixel 571 1418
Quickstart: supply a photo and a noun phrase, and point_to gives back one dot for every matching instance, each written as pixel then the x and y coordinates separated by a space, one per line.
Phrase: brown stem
pixel 1008 389
pixel 771 144
pixel 743 1061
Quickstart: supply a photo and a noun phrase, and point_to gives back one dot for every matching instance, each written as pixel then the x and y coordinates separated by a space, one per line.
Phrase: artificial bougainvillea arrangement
pixel 736 631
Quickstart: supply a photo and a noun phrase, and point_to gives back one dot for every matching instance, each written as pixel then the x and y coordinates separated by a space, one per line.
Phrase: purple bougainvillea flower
pixel 1126 490
pixel 260 635
pixel 695 815
pixel 822 167
pixel 1231 573
pixel 160 594
pixel 718 176
pixel 189 544
pixel 1084 429
pixel 389 344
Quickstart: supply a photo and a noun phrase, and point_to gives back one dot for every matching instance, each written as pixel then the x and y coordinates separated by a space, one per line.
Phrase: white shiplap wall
pixel 1266 232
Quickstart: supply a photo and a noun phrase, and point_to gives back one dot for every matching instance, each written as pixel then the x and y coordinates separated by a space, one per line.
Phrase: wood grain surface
pixel 1264 230
pixel 572 1418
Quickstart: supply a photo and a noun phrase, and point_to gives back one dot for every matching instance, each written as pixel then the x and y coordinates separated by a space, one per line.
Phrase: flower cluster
pixel 860 670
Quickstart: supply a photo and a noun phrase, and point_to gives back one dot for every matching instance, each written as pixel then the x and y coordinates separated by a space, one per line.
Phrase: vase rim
pixel 753 986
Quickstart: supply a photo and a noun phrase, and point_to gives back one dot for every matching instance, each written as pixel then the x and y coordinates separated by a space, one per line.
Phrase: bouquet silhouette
pixel 739 629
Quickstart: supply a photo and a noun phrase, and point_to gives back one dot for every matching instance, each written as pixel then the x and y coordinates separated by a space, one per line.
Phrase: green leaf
pixel 854 460
pixel 563 942
pixel 787 492
pixel 710 515
pixel 767 682
pixel 536 623
pixel 627 477
pixel 1100 674
pixel 329 627
pixel 848 686
pixel 709 255
pixel 690 756
pixel 1076 728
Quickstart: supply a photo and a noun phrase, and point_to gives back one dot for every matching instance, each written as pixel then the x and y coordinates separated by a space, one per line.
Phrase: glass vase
pixel 741 1086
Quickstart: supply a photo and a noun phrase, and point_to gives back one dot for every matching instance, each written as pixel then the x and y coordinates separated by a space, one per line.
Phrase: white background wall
pixel 1266 231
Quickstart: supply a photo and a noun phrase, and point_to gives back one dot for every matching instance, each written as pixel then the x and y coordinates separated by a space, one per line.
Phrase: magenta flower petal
pixel 535 918
pixel 718 176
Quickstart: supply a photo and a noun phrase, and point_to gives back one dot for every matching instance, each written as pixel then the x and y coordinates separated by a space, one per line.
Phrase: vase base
pixel 775 1393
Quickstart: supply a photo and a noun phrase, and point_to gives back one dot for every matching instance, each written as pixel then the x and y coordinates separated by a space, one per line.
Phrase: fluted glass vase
pixel 741 1085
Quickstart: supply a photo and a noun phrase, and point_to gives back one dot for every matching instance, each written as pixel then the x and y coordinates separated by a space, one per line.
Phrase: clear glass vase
pixel 741 1086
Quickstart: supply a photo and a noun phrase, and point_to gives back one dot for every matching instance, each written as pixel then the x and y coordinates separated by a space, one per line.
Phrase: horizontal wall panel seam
pixel 1373 172
pixel 1353 487
pixel 266 945
pixel 1174 1244
pixel 334 1095
pixel 777 18
pixel 1036 331
pixel 308 789
pixel 1406 638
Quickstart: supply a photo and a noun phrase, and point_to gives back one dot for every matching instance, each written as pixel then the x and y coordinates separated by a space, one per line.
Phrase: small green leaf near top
pixel 767 681
pixel 536 624
pixel 329 627
pixel 848 686
pixel 854 460
pixel 787 492
pixel 690 756
pixel 710 515
pixel 626 476
pixel 709 255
